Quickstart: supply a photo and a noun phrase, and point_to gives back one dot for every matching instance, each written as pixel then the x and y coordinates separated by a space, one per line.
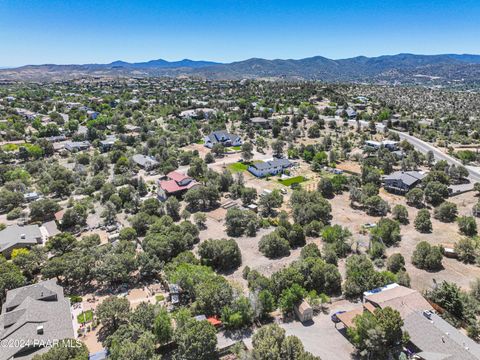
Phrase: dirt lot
pixel 251 256
pixel 443 233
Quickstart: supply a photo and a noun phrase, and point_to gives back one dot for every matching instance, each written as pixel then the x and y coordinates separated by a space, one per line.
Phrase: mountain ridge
pixel 399 68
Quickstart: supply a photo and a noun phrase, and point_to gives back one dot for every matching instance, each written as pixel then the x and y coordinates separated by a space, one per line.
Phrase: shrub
pixel 466 250
pixel 467 225
pixel 415 197
pixel 376 206
pixel 445 212
pixel 274 246
pixel 400 213
pixel 387 232
pixel 310 250
pixel 395 262
pixel 422 222
pixel 427 257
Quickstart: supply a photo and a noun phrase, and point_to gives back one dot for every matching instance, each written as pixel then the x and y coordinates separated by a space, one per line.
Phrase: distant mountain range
pixel 402 68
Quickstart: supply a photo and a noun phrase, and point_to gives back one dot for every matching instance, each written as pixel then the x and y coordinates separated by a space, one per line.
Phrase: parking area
pixel 320 337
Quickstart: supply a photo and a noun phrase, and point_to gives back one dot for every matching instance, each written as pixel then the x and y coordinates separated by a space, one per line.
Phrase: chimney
pixel 23 236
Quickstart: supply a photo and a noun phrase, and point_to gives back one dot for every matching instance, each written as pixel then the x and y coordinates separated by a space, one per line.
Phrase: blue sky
pixel 64 31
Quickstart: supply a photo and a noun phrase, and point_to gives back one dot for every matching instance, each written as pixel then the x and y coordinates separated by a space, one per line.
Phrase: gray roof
pixel 259 120
pixel 143 160
pixel 407 177
pixel 15 234
pixel 272 164
pixel 109 140
pixel 41 304
pixel 438 339
pixel 221 135
pixel 77 145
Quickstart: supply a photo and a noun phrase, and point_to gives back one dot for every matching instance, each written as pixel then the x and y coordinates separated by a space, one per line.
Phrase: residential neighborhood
pixel 328 224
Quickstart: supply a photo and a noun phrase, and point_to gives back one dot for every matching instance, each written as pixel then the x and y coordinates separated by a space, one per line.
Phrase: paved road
pixel 424 147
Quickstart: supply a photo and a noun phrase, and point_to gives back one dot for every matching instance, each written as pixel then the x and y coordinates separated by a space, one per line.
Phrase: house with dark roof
pixel 222 137
pixel 145 162
pixel 175 183
pixel 402 181
pixel 74 146
pixel 16 236
pixel 36 317
pixel 272 167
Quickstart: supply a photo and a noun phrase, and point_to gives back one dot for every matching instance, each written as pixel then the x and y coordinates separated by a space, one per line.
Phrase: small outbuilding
pixel 304 311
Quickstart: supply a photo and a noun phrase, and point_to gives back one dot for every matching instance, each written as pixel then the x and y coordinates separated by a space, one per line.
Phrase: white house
pixel 272 167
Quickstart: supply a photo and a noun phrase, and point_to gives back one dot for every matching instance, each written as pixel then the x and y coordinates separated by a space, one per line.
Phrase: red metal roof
pixel 177 176
pixel 172 185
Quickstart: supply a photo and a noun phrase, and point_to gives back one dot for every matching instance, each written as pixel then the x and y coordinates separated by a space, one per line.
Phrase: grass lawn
pixel 238 167
pixel 293 180
pixel 159 297
pixel 85 317
pixel 235 148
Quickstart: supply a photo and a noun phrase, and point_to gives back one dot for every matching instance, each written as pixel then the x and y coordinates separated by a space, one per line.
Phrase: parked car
pixel 335 318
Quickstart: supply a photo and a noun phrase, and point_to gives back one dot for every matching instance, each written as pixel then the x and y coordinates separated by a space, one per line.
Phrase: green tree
pixel 269 202
pixel 290 297
pixel 376 206
pixel 446 212
pixel 221 254
pixel 247 151
pixel 309 206
pixel 378 335
pixel 274 246
pixel 467 225
pixel 61 243
pixel 10 277
pixel 196 340
pixel 67 349
pixel 310 250
pixel 466 250
pixel 435 192
pixel 415 197
pixel 172 208
pixel 387 231
pixel 400 213
pixel 422 221
pixel 427 257
pixel 43 209
pixel 325 187
pixel 162 327
pixel 395 262
pixel 112 313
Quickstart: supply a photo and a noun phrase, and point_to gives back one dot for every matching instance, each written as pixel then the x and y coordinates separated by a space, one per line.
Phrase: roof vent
pixel 40 329
pixel 23 236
